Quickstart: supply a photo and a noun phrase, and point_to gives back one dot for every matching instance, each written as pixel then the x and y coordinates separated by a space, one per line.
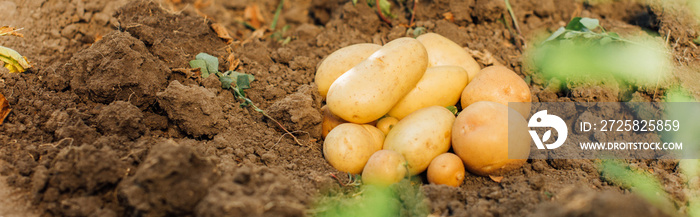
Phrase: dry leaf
pixel 188 72
pixel 253 16
pixel 4 108
pixel 485 57
pixel 98 37
pixel 449 16
pixel 233 62
pixel 496 178
pixel 6 30
pixel 222 32
pixel 13 60
pixel 259 33
pixel 199 4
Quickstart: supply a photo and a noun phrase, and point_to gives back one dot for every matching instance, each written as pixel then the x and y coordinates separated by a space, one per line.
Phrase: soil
pixel 108 122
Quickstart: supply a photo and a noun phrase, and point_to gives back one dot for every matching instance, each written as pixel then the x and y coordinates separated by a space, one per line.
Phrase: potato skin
pixel 377 136
pixel 480 138
pixel 340 61
pixel 384 167
pixel 421 136
pixel 370 89
pixel 440 85
pixel 330 121
pixel 446 169
pixel 498 84
pixel 348 147
pixel 443 51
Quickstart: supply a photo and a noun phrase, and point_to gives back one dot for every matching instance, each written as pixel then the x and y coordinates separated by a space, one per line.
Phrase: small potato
pixel 384 167
pixel 386 123
pixel 443 51
pixel 440 85
pixel 330 121
pixel 446 169
pixel 480 138
pixel 348 147
pixel 498 84
pixel 421 136
pixel 370 89
pixel 341 61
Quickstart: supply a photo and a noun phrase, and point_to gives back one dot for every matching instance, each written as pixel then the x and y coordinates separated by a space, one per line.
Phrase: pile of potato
pixel 386 117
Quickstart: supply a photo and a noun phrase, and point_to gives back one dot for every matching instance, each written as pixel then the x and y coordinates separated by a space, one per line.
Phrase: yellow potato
pixel 377 136
pixel 446 169
pixel 386 123
pixel 370 89
pixel 440 85
pixel 480 138
pixel 384 167
pixel 498 84
pixel 443 51
pixel 421 136
pixel 348 147
pixel 330 121
pixel 340 61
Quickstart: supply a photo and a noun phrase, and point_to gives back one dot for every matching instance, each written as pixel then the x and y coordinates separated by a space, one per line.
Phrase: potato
pixel 386 123
pixel 348 147
pixel 498 84
pixel 370 89
pixel 443 51
pixel 446 169
pixel 384 167
pixel 480 138
pixel 421 136
pixel 330 121
pixel 340 61
pixel 440 85
pixel 377 136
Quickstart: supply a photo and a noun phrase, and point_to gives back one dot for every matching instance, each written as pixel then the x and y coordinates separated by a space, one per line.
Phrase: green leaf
pixel 419 31
pixel 556 34
pixel 225 82
pixel 589 23
pixel 697 40
pixel 354 2
pixel 243 81
pixel 605 40
pixel 575 24
pixel 385 5
pixel 614 35
pixel 211 61
pixel 202 65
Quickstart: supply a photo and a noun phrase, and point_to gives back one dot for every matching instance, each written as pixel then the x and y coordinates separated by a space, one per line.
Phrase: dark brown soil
pixel 106 123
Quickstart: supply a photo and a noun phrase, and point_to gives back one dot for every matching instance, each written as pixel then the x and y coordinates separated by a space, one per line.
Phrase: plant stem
pixel 413 15
pixel 239 95
pixel 381 15
pixel 515 23
pixel 273 25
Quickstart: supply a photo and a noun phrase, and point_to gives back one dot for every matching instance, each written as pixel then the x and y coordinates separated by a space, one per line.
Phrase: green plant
pixel 384 9
pixel 401 199
pixel 236 81
pixel 584 51
pixel 278 35
pixel 11 59
pixel 639 182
